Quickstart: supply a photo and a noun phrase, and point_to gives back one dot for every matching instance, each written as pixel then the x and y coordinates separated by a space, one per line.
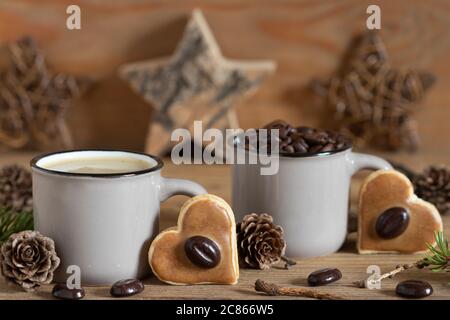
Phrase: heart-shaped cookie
pixel 201 249
pixel 392 218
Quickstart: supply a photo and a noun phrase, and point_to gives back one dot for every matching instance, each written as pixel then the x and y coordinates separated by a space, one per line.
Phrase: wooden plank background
pixel 305 38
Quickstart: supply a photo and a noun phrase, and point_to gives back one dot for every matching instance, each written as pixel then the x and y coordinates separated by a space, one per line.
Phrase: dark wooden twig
pixel 272 289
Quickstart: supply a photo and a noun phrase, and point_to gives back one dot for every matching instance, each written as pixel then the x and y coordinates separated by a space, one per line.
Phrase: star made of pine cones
pixel 28 259
pixel 433 185
pixel 16 188
pixel 372 102
pixel 33 100
pixel 260 241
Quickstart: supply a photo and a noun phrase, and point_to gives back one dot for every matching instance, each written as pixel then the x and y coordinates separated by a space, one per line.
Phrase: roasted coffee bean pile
pixel 301 140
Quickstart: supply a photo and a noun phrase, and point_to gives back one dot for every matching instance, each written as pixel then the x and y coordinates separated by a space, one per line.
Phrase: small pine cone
pixel 260 242
pixel 28 259
pixel 433 185
pixel 15 188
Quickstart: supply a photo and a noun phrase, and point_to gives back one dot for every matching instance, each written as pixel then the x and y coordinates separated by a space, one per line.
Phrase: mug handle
pixel 170 187
pixel 360 161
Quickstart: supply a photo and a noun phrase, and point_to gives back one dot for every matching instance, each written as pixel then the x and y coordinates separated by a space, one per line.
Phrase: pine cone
pixel 15 188
pixel 433 185
pixel 28 259
pixel 260 242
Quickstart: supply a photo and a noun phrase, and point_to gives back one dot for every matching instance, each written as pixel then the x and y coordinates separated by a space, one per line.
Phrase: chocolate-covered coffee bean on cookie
pixel 202 251
pixel 392 222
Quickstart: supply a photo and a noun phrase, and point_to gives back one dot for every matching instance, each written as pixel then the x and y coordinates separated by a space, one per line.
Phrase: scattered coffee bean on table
pixel 202 251
pixel 324 276
pixel 126 287
pixel 61 291
pixel 414 289
pixel 302 140
pixel 392 223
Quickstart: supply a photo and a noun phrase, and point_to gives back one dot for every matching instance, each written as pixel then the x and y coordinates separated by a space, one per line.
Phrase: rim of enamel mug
pixel 232 142
pixel 36 159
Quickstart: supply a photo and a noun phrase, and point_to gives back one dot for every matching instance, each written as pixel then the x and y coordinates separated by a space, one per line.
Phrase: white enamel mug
pixel 102 223
pixel 308 197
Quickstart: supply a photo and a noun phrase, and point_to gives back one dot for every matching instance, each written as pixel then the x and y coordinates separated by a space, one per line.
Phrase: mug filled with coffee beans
pixel 309 195
pixel 102 209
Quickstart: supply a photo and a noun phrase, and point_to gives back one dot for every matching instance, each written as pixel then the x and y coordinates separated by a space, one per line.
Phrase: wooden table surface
pixel 217 180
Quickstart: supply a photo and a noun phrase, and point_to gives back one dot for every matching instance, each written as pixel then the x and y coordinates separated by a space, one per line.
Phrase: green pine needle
pixel 12 222
pixel 438 257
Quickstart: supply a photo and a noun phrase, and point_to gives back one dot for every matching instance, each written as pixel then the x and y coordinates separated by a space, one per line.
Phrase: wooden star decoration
pixel 371 101
pixel 33 100
pixel 196 83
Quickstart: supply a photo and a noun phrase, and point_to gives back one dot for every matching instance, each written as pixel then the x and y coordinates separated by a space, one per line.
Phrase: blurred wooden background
pixel 305 37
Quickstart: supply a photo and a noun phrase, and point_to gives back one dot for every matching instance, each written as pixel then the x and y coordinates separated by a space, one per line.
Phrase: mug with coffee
pixel 102 209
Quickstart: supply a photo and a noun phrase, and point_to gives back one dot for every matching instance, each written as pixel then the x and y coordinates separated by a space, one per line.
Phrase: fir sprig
pixel 438 257
pixel 12 222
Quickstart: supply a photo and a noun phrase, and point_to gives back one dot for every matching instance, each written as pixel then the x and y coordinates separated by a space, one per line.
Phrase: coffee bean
pixel 283 133
pixel 328 147
pixel 324 276
pixel 202 252
pixel 392 223
pixel 288 140
pixel 298 147
pixel 315 138
pixel 414 289
pixel 61 291
pixel 288 149
pixel 315 148
pixel 127 287
pixel 303 142
pixel 305 130
pixel 277 124
pixel 332 136
pixel 295 135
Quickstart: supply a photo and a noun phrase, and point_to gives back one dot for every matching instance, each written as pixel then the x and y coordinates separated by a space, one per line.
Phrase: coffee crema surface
pixel 98 165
